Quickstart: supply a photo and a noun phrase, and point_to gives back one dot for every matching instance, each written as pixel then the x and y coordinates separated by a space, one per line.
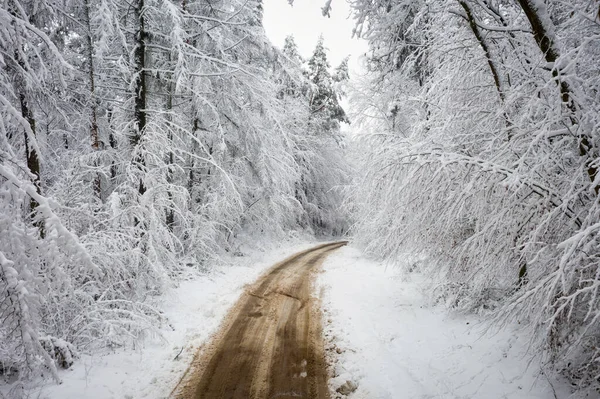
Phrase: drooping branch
pixel 543 32
pixel 484 46
pixel 490 60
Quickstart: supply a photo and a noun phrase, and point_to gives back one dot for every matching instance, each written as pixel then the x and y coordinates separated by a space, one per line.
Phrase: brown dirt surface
pixel 270 345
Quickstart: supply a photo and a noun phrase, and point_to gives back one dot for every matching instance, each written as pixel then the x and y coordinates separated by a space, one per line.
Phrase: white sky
pixel 305 22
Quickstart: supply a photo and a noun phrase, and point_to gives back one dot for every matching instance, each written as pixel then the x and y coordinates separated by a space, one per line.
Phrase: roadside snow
pixel 195 310
pixel 383 336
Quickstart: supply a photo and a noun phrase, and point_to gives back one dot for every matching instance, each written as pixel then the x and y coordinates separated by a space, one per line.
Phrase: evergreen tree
pixel 312 101
pixel 290 50
pixel 326 111
pixel 341 71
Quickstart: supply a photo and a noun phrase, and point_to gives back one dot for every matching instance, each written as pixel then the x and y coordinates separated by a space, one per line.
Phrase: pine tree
pixel 290 50
pixel 312 99
pixel 326 111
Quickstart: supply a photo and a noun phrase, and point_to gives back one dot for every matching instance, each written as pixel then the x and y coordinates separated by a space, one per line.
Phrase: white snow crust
pixel 381 333
pixel 384 335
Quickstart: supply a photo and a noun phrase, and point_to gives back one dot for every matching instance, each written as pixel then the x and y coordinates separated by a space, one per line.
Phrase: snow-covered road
pixel 381 334
pixel 194 310
pixel 270 343
pixel 394 345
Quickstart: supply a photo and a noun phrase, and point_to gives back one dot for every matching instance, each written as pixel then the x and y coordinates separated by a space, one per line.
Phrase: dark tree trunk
pixel 33 161
pixel 490 61
pixel 192 174
pixel 112 141
pixel 140 90
pixel 93 105
pixel 170 213
pixel 551 54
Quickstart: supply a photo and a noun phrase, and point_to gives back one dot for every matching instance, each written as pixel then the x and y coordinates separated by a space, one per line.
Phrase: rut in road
pixel 270 345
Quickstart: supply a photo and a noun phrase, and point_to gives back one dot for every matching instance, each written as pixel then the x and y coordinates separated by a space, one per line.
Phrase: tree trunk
pixel 33 161
pixel 170 213
pixel 93 105
pixel 112 141
pixel 140 90
pixel 539 20
pixel 490 61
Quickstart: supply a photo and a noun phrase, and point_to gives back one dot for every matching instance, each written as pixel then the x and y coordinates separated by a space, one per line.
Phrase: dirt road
pixel 270 345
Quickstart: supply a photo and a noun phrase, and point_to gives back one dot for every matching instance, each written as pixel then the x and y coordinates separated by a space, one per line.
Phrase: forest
pixel 141 140
pixel 138 141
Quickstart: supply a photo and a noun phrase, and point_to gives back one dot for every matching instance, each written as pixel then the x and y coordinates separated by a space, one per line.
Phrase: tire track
pixel 270 345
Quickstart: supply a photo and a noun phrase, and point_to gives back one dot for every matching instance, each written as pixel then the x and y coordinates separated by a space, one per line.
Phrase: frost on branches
pixel 138 141
pixel 484 156
pixel 313 101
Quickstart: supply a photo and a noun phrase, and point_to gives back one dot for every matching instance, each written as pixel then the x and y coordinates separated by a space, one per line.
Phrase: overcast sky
pixel 305 22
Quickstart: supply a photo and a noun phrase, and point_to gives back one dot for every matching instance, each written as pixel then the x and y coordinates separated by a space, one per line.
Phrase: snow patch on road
pixel 194 309
pixel 383 335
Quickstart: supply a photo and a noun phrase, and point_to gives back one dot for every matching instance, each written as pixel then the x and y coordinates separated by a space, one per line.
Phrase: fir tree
pixel 324 105
pixel 290 50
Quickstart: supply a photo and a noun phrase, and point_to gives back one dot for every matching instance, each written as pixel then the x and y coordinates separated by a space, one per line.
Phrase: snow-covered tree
pixel 483 157
pixel 326 112
pixel 137 141
pixel 311 99
pixel 290 50
pixel 40 259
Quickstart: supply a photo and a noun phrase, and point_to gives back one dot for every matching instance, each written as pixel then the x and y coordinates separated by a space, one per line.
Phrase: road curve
pixel 270 345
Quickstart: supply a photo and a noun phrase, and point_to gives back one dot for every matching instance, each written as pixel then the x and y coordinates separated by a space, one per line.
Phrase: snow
pixel 383 335
pixel 194 309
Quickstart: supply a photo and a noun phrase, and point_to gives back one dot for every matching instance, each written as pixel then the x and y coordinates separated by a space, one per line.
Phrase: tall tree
pixel 324 104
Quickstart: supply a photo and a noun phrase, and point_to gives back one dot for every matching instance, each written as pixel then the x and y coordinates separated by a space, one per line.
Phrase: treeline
pixel 484 156
pixel 138 140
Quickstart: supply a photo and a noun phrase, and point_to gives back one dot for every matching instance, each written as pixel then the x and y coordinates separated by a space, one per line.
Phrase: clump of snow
pixel 194 310
pixel 63 353
pixel 386 341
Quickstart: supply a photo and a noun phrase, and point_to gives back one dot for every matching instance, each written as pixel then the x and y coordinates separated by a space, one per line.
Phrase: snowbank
pixel 383 336
pixel 195 310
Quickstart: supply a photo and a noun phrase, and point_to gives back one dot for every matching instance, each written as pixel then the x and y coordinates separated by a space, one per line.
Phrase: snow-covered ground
pixel 383 335
pixel 380 330
pixel 195 310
